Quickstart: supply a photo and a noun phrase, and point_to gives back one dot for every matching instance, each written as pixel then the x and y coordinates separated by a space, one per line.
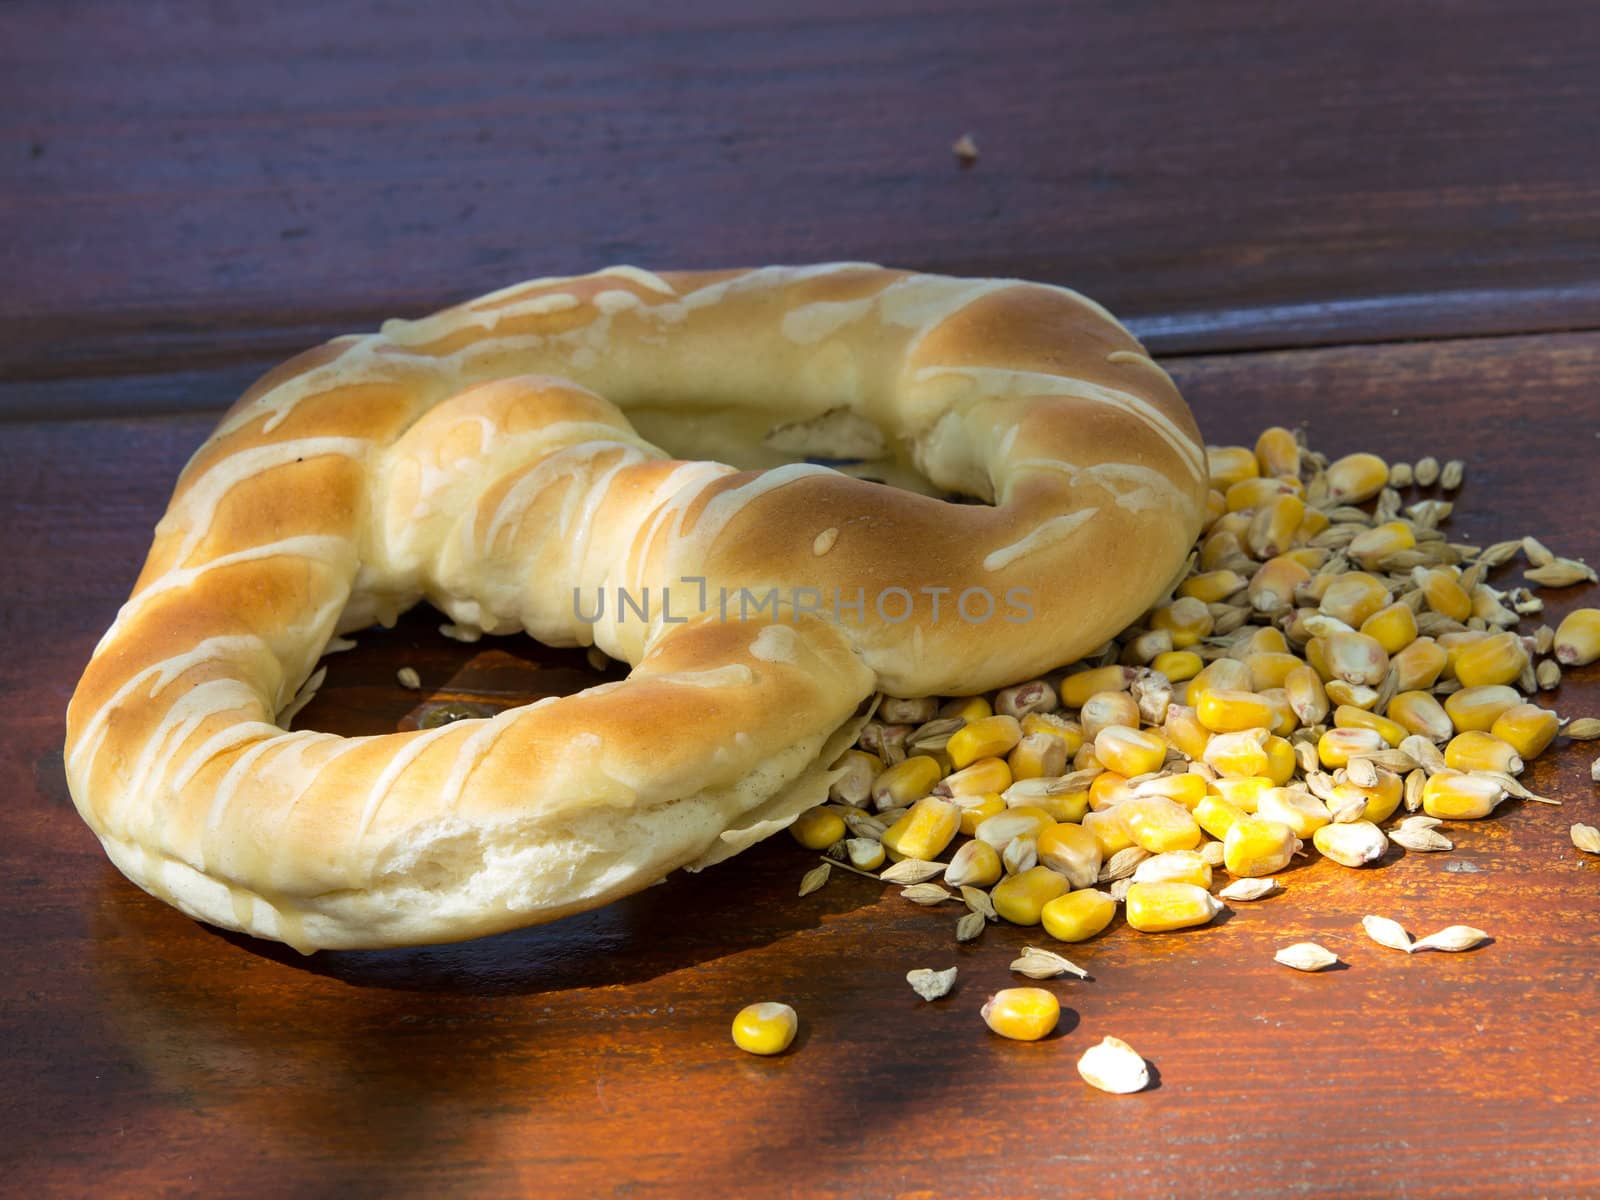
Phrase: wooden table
pixel 1375 220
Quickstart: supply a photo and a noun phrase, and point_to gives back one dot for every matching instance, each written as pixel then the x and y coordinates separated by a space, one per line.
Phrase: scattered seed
pixel 1426 472
pixel 1306 956
pixel 912 870
pixel 1562 573
pixel 965 149
pixel 930 984
pixel 864 853
pixel 1538 554
pixel 925 893
pixel 1421 822
pixel 1586 838
pixel 1387 933
pixel 1258 888
pixel 1450 477
pixel 1594 770
pixel 408 678
pixel 815 878
pixel 1548 675
pixel 970 926
pixel 1584 729
pixel 1212 854
pixel 1453 938
pixel 1045 964
pixel 1122 864
pixel 1021 854
pixel 1114 1066
pixel 1422 840
pixel 978 901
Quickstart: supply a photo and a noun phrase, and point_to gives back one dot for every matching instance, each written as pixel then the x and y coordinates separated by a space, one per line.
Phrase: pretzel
pixel 480 459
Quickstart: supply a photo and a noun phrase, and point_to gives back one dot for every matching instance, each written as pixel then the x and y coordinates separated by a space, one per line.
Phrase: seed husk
pixel 1453 938
pixel 1426 472
pixel 1258 888
pixel 1021 854
pixel 1586 838
pixel 1452 474
pixel 1306 956
pixel 970 926
pixel 1562 573
pixel 1416 781
pixel 925 893
pixel 1114 1066
pixel 813 879
pixel 1548 675
pixel 1594 770
pixel 1045 964
pixel 1212 854
pixel 1122 864
pixel 1386 933
pixel 1584 729
pixel 978 901
pixel 408 678
pixel 912 870
pixel 1422 840
pixel 931 984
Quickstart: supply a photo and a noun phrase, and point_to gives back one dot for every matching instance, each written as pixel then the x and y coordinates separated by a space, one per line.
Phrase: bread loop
pixel 481 459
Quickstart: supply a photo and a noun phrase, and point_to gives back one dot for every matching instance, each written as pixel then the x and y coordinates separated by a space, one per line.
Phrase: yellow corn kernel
pixel 1130 751
pixel 1353 597
pixel 985 775
pixel 1179 666
pixel 1107 790
pixel 1280 761
pixel 1265 640
pixel 1394 627
pixel 1356 477
pixel 1054 724
pixel 907 781
pixel 1272 588
pixel 1160 907
pixel 1461 797
pixel 1445 596
pixel 987 737
pixel 1072 851
pixel 1105 709
pixel 1381 799
pixel 1277 453
pixel 1578 637
pixel 1175 866
pixel 1224 675
pixel 1238 755
pixel 1349 717
pixel 1232 711
pixel 968 708
pixel 1184 733
pixel 1243 794
pixel 1023 1014
pixel 817 828
pixel 1269 669
pixel 1419 665
pixel 1313 523
pixel 1216 505
pixel 1235 523
pixel 1528 729
pixel 1372 546
pixel 1479 751
pixel 1356 658
pixel 1274 526
pixel 1421 713
pixel 1186 619
pixel 1300 811
pixel 1084 759
pixel 1212 586
pixel 766 1028
pixel 1221 548
pixel 1108 830
pixel 1355 695
pixel 1498 658
pixel 1063 802
pixel 1078 915
pixel 976 864
pixel 1338 746
pixel 1021 820
pixel 1076 688
pixel 1036 756
pixel 975 810
pixel 1227 465
pixel 1158 825
pixel 1284 720
pixel 1479 707
pixel 1454 642
pixel 1307 696
pixel 1250 495
pixel 1216 815
pixel 1316 655
pixel 1020 898
pixel 1187 789
pixel 1255 846
pixel 927 827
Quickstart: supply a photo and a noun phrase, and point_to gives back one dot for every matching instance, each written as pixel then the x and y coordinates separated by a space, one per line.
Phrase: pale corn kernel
pixel 1272 588
pixel 1223 675
pixel 1349 717
pixel 1316 656
pixel 1394 627
pixel 979 778
pixel 1353 597
pixel 1057 726
pixel 866 854
pixel 1421 713
pixel 1179 666
pixel 1227 465
pixel 1528 729
pixel 1216 815
pixel 1372 546
pixel 976 864
pixel 1285 722
pixel 1337 747
pixel 1235 523
pixel 1300 811
pixel 1281 761
pixel 1035 695
pixel 1352 844
pixel 1479 707
pixel 1273 528
pixel 1353 695
pixel 1220 549
pixel 1184 733
pixel 1076 688
pixel 1225 711
pixel 1063 803
pixel 1475 750
pixel 1186 619
pixel 1356 477
pixel 907 781
pixel 1175 866
pixel 1216 505
pixel 1578 637
pixel 1269 669
pixel 856 771
pixel 1073 851
pixel 1265 640
pixel 1020 820
pixel 817 828
pixel 1023 1014
pixel 1078 915
pixel 1461 797
pixel 1238 755
pixel 1084 759
pixel 927 827
pixel 1037 756
pixel 1307 696
pixel 1419 665
pixel 1186 789
pixel 1108 830
pixel 968 708
pixel 1020 898
pixel 1356 658
pixel 1277 453
pixel 1498 658
pixel 1249 495
pixel 896 710
pixel 986 737
pixel 975 810
pixel 1158 824
pixel 1454 642
pixel 1212 586
pixel 1162 907
pixel 1445 596
pixel 1129 750
pixel 1255 846
pixel 1243 794
pixel 1104 709
pixel 767 1028
pixel 1313 523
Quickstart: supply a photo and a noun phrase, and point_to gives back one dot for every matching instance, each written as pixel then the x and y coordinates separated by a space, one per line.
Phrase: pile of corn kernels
pixel 1330 672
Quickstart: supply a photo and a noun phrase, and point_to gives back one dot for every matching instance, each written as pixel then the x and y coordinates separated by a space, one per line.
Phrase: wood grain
pixel 190 183
pixel 143 1053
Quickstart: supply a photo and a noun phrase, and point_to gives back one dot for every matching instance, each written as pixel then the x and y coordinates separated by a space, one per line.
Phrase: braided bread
pixel 480 459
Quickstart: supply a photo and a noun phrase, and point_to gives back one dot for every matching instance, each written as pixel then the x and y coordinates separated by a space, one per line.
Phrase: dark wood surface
pixel 190 191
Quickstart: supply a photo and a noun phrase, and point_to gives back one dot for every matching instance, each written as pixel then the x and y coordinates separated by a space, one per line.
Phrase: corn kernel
pixel 1316 655
pixel 1023 1014
pixel 1226 711
pixel 1479 707
pixel 985 737
pixel 1475 750
pixel 968 708
pixel 1054 724
pixel 1078 915
pixel 1277 453
pixel 866 854
pixel 985 775
pixel 1184 732
pixel 1020 898
pixel 1216 505
pixel 1528 728
pixel 1255 846
pixel 1445 596
pixel 1300 811
pixel 1223 675
pixel 1130 751
pixel 1062 801
pixel 1158 825
pixel 1280 761
pixel 1372 546
pixel 1037 756
pixel 1353 597
pixel 1227 465
pixel 1284 720
pixel 1272 588
pixel 1249 495
pixel 976 864
pixel 1175 866
pixel 853 785
pixel 1216 815
pixel 1186 789
pixel 1394 627
pixel 1104 709
pixel 1107 790
pixel 975 810
pixel 906 782
pixel 1352 844
pixel 1222 548
pixel 1339 745
pixel 1498 658
pixel 926 829
pixel 1307 696
pixel 1186 619
pixel 1380 800
pixel 1356 477
pixel 1461 797
pixel 1353 695
pixel 1235 523
pixel 1161 907
pixel 1075 689
pixel 1419 665
pixel 1313 523
pixel 1238 755
pixel 766 1028
pixel 817 828
pixel 1019 821
pixel 1108 830
pixel 1578 637
pixel 1178 665
pixel 1348 717
pixel 1356 658
pixel 1212 586
pixel 1072 851
pixel 1421 713
pixel 1243 794
pixel 1269 669
pixel 1274 526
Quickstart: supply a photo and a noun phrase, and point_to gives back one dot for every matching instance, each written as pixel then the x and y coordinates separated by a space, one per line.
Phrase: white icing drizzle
pixel 810 323
pixel 1043 534
pixel 727 675
pixel 392 771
